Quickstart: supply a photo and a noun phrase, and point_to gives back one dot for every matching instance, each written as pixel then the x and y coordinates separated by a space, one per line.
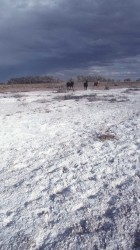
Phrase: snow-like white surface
pixel 61 185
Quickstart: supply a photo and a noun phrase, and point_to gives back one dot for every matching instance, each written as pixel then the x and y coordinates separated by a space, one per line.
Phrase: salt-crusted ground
pixel 70 170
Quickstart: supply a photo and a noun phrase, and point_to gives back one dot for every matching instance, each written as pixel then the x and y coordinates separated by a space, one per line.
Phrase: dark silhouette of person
pixel 86 85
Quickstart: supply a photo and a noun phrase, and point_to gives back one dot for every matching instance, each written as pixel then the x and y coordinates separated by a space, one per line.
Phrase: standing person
pixel 86 85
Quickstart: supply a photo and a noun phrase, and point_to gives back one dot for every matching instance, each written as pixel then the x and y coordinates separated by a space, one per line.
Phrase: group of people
pixel 70 84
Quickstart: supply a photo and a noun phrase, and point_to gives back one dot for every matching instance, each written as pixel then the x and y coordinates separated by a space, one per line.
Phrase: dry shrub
pixel 18 96
pixel 104 137
pixel 106 87
pixel 136 245
pixel 61 90
pixel 41 101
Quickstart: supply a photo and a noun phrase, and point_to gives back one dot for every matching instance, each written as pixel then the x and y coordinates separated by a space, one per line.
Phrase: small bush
pixel 104 137
pixel 106 87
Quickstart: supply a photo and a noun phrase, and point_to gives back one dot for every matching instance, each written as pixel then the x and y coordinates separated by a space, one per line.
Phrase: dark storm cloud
pixel 38 37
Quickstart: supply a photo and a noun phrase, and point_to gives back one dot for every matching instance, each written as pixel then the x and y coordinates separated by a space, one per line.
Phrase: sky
pixel 70 37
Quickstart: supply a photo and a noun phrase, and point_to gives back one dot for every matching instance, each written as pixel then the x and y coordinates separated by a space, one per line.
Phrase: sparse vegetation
pixel 93 78
pixel 106 87
pixel 34 79
pixel 104 137
pixel 127 80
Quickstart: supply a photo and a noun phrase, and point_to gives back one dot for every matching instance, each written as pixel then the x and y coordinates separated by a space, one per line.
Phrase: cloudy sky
pixel 69 37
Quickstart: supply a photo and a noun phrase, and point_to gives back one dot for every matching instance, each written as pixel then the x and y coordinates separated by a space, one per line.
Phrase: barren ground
pixel 69 168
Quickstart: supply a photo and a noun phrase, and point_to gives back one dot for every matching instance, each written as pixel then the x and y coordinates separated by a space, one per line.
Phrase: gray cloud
pixel 42 37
